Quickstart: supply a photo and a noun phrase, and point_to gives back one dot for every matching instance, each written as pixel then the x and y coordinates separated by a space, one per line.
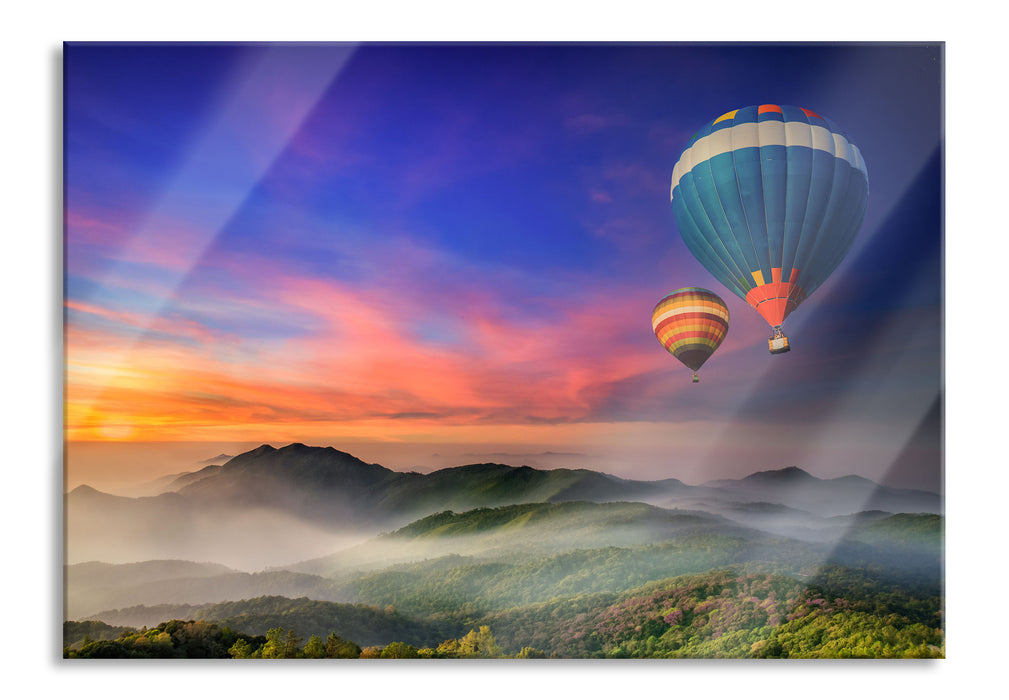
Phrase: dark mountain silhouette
pixel 329 486
pixel 173 482
pixel 317 483
pixel 488 485
pixel 187 478
pixel 797 488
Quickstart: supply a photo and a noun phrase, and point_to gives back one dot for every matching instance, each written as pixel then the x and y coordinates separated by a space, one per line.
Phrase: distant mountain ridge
pixel 173 482
pixel 299 493
pixel 219 459
pixel 798 488
pixel 183 480
pixel 325 483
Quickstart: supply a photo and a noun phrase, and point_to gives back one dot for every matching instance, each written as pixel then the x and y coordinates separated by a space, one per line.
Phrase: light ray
pixel 233 154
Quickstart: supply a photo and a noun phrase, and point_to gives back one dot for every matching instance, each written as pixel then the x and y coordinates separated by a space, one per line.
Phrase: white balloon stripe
pixel 768 133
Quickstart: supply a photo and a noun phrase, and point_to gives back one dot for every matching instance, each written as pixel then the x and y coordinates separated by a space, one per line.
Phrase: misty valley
pixel 309 552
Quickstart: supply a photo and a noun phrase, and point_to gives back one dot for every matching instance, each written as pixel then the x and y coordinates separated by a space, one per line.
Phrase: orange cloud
pixel 367 362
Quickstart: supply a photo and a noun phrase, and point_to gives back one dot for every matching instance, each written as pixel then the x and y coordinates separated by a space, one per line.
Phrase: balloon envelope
pixel 768 199
pixel 691 323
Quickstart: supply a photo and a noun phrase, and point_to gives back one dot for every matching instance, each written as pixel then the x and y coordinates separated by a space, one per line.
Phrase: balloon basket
pixel 696 379
pixel 778 343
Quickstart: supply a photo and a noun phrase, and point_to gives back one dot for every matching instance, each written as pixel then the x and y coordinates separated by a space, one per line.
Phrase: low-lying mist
pixel 520 532
pixel 247 539
pixel 313 523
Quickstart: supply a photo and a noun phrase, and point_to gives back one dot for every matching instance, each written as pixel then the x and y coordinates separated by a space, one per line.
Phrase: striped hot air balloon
pixel 768 199
pixel 691 323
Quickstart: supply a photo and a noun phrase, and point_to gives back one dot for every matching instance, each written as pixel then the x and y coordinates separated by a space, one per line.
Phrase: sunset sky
pixel 429 255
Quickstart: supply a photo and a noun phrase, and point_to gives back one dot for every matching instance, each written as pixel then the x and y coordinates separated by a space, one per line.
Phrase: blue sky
pixel 403 250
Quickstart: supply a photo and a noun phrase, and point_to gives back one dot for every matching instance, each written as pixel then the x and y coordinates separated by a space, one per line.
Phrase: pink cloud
pixel 93 227
pixel 368 344
pixel 172 242
pixel 429 341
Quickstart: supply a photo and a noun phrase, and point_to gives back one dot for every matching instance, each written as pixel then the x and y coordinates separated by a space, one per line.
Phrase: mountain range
pixel 270 507
pixel 573 562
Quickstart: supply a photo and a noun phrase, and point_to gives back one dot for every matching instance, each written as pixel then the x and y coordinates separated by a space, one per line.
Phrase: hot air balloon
pixel 691 323
pixel 768 199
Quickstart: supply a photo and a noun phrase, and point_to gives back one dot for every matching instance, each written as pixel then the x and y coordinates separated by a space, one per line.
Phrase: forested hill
pixel 841 613
pixel 508 563
pixel 364 624
pixel 523 531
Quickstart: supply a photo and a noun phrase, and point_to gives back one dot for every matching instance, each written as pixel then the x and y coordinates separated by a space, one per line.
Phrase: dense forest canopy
pixel 840 613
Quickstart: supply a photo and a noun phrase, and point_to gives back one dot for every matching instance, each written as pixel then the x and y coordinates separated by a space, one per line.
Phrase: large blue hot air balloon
pixel 768 199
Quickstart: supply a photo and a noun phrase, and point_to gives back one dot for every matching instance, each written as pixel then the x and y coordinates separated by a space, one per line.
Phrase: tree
pixel 292 645
pixel 161 644
pixel 274 646
pixel 450 647
pixel 314 648
pixel 469 645
pixel 399 650
pixel 339 648
pixel 477 643
pixel 487 644
pixel 241 649
pixel 530 653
